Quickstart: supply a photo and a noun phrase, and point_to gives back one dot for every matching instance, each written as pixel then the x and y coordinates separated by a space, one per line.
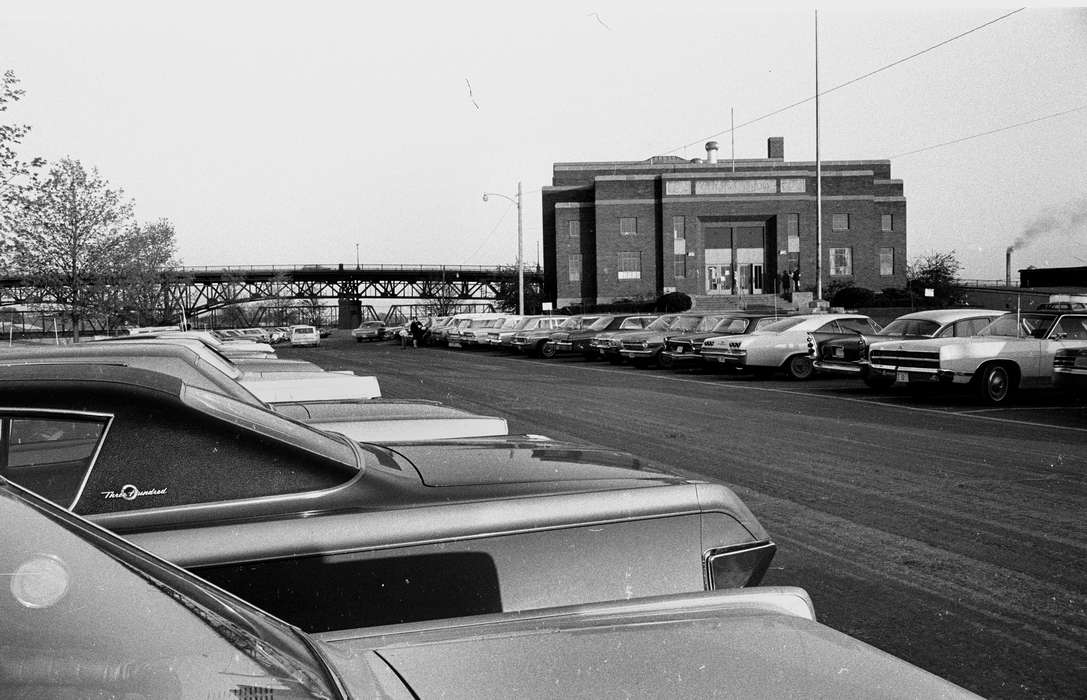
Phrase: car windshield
pixel 273 425
pixel 782 325
pixel 685 323
pixel 1019 326
pixel 600 323
pixel 707 324
pixel 661 323
pixel 576 322
pixel 911 326
pixel 635 322
pixel 83 615
pixel 513 323
pixel 731 326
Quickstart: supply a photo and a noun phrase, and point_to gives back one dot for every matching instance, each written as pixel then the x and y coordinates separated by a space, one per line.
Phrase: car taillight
pixel 739 565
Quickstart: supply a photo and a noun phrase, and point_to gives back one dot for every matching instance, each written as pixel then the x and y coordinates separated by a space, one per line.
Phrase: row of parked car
pixel 993 352
pixel 337 544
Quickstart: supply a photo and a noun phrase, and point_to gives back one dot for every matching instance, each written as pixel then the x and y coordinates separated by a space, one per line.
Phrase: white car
pixel 782 344
pixel 1014 351
pixel 302 336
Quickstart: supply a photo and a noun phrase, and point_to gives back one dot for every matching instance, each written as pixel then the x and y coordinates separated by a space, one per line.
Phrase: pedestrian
pixel 416 330
pixel 796 279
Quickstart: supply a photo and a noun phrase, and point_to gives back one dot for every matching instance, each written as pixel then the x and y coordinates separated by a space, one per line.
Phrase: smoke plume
pixel 1067 221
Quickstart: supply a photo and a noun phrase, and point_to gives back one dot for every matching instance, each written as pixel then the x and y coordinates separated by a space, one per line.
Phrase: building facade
pixel 637 229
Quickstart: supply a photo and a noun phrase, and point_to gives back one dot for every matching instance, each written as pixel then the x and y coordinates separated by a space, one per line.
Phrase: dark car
pixel 533 341
pixel 87 615
pixel 609 345
pixel 644 349
pixel 288 516
pixel 369 330
pixel 682 351
pixel 847 353
pixel 1070 370
pixel 579 341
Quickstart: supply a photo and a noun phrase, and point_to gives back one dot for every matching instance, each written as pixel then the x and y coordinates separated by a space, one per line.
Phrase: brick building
pixel 712 227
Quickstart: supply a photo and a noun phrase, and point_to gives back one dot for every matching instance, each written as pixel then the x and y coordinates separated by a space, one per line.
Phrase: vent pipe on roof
pixel 1008 273
pixel 711 151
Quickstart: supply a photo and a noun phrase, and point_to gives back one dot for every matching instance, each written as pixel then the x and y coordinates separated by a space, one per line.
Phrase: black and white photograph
pixel 570 349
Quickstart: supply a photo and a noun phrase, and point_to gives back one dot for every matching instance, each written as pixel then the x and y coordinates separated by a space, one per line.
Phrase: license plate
pixel 902 377
pixel 839 352
pixel 1080 362
pixel 722 360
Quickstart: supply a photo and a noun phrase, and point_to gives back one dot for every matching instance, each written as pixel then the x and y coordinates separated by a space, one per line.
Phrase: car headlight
pixel 862 348
pixel 739 565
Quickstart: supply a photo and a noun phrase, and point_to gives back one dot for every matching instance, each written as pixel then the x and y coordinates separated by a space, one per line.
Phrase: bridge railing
pixel 343 266
pixel 987 283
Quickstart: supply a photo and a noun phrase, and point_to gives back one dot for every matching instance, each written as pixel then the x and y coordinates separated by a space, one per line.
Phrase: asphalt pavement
pixel 945 532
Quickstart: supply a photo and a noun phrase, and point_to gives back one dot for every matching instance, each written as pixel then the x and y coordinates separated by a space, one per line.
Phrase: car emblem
pixel 130 493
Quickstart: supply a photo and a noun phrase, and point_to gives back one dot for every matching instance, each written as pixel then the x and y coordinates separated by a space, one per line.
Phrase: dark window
pixel 575 268
pixel 50 455
pixel 886 261
pixel 679 227
pixel 792 224
pixel 887 222
pixel 680 267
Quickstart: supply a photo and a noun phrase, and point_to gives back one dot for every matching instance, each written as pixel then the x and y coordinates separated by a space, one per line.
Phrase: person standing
pixel 416 330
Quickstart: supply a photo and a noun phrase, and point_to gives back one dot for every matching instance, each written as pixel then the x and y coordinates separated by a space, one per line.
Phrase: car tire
pixel 666 362
pixel 878 381
pixel 615 359
pixel 995 384
pixel 548 350
pixel 358 340
pixel 799 368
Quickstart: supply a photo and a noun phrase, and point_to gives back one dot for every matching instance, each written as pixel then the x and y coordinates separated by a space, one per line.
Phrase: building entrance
pixel 735 259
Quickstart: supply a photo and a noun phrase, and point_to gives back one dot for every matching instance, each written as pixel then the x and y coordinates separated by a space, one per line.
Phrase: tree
pixel 71 233
pixel 936 271
pixel 139 259
pixel 507 296
pixel 16 176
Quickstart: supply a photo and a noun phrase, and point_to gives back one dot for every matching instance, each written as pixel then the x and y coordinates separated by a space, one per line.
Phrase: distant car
pixel 782 345
pixel 318 528
pixel 532 341
pixel 686 350
pixel 1070 370
pixel 847 353
pixel 304 336
pixel 1061 306
pixel 84 614
pixel 1014 351
pixel 258 335
pixel 579 342
pixel 644 349
pixel 608 345
pixel 369 330
pixel 325 331
pixel 233 349
pixel 494 335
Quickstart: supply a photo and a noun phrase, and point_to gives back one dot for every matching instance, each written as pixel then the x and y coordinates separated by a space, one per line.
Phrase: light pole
pixel 520 238
pixel 356 256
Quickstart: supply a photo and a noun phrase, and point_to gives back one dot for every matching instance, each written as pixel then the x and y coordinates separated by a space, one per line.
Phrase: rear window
pixel 782 325
pixel 50 454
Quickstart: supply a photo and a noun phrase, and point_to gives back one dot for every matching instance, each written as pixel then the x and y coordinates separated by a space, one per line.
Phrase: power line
pixel 488 238
pixel 991 131
pixel 848 82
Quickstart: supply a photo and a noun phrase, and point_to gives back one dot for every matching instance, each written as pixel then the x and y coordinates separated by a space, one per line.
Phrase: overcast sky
pixel 283 133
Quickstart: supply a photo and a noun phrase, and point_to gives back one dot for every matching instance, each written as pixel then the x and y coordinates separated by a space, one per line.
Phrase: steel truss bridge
pixel 200 290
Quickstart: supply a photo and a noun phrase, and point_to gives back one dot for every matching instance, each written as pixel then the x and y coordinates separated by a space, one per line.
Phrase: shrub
pixel 852 297
pixel 673 302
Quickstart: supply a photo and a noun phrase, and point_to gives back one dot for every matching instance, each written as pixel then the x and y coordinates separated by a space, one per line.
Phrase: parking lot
pixel 939 530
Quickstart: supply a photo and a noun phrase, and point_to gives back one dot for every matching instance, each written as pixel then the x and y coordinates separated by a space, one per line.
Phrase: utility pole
pixel 520 245
pixel 818 179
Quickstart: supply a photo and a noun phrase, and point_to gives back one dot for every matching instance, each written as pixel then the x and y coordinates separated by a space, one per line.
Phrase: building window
pixel 887 222
pixel 792 224
pixel 630 265
pixel 575 268
pixel 679 227
pixel 573 229
pixel 680 266
pixel 841 262
pixel 628 226
pixel 839 222
pixel 886 261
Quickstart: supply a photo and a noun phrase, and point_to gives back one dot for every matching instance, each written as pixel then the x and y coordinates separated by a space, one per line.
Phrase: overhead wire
pixel 991 131
pixel 505 213
pixel 847 83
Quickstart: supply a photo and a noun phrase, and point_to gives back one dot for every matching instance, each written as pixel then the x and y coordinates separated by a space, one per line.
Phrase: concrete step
pixel 741 302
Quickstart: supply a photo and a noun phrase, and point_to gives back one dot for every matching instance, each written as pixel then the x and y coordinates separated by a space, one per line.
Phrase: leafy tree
pixel 16 176
pixel 507 296
pixel 936 271
pixel 74 236
pixel 136 282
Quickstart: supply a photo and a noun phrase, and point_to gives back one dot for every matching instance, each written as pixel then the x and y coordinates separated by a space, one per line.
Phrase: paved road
pixel 942 532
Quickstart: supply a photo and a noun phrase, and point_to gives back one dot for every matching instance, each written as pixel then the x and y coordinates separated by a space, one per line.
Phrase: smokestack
pixel 1008 275
pixel 711 151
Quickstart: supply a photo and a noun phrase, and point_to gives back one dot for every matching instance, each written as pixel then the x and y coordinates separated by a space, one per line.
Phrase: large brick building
pixel 637 229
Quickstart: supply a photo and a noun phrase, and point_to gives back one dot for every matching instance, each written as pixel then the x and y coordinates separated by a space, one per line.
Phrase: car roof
pixel 947 315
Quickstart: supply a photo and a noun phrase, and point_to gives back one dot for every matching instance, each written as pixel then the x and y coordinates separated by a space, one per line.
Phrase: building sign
pixel 677 187
pixel 793 185
pixel 736 187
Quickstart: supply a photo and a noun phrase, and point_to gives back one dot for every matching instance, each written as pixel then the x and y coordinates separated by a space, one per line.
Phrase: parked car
pixel 1014 351
pixel 296 519
pixel 531 335
pixel 189 358
pixel 325 331
pixel 682 351
pixel 1070 370
pixel 369 330
pixel 258 335
pixel 305 336
pixel 84 614
pixel 280 334
pixel 847 353
pixel 782 345
pixel 507 327
pixel 609 344
pixel 474 333
pixel 533 341
pixel 233 349
pixel 579 341
pixel 644 349
pixel 460 322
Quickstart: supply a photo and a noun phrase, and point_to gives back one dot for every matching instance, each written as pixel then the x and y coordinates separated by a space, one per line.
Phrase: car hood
pixel 935 344
pixel 740 653
pixel 647 335
pixel 509 460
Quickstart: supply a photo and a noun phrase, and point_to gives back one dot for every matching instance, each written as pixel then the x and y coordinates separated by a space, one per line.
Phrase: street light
pixel 520 265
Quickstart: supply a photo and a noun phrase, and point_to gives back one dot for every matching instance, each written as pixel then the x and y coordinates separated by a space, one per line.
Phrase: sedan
pixel 330 533
pixel 87 615
pixel 369 330
pixel 686 350
pixel 782 345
